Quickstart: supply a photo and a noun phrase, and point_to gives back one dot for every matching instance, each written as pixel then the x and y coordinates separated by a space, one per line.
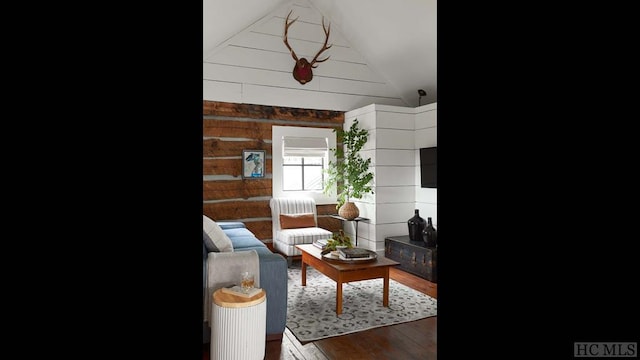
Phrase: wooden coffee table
pixel 346 272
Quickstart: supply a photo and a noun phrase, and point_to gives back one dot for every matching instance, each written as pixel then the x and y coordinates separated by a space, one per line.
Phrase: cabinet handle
pixel 424 259
pixel 413 259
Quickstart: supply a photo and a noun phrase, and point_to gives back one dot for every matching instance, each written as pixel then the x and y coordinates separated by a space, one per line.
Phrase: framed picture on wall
pixel 253 164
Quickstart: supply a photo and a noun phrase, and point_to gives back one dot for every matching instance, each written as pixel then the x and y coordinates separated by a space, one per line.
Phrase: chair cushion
pixel 219 238
pixel 303 235
pixel 296 221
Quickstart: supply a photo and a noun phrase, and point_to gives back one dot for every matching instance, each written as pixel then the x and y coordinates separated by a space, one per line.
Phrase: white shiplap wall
pixel 395 136
pixel 255 67
pixel 426 135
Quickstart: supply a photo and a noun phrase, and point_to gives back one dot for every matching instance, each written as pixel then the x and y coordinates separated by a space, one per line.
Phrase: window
pixel 303 163
pixel 300 155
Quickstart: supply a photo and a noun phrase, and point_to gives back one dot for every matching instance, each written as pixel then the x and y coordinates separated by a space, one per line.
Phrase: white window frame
pixel 277 134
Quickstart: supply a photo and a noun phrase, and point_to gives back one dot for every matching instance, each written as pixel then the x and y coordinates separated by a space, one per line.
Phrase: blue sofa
pixel 273 277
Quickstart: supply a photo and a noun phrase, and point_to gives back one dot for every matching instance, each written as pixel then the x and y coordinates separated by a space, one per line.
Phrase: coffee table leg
pixel 338 298
pixel 304 273
pixel 385 290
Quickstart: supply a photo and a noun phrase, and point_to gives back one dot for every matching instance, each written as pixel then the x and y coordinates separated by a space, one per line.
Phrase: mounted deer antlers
pixel 302 70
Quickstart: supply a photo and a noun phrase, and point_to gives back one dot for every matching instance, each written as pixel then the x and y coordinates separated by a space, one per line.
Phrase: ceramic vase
pixel 429 234
pixel 416 224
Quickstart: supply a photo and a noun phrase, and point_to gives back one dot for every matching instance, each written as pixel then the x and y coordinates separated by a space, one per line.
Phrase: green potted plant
pixel 338 240
pixel 349 173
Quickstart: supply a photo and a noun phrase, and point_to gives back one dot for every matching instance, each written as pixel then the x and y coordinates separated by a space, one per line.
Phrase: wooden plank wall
pixel 228 128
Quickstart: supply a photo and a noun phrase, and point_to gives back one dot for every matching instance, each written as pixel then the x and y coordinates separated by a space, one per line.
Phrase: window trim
pixel 278 132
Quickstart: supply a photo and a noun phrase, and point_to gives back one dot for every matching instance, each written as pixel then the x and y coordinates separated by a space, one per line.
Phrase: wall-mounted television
pixel 429 167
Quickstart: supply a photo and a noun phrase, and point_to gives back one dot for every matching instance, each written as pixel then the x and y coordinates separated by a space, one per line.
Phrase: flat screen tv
pixel 429 167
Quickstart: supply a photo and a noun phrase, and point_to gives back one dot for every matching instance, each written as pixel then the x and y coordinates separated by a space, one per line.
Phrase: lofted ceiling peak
pixel 395 39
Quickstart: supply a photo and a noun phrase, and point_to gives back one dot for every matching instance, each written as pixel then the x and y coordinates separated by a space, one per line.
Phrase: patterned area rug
pixel 311 312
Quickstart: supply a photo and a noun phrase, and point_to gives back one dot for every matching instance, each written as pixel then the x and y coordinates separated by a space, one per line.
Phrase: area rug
pixel 311 309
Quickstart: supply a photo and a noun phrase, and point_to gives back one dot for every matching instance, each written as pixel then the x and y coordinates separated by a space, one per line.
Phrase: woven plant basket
pixel 349 210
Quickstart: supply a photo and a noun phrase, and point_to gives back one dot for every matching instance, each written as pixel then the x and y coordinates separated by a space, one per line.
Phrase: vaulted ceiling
pixel 396 38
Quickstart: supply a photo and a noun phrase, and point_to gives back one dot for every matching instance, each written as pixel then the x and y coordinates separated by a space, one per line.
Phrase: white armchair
pixel 300 225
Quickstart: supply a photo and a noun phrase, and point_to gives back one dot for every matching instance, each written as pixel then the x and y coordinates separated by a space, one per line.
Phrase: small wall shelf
pixel 356 220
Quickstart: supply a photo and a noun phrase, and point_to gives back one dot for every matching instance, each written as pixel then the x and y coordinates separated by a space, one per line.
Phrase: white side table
pixel 239 326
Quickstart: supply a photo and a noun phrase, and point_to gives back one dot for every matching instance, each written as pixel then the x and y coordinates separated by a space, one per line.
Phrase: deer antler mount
pixel 302 71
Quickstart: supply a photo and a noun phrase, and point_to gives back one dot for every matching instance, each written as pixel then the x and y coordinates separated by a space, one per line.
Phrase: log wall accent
pixel 216 147
pixel 238 209
pixel 226 167
pixel 234 189
pixel 229 128
pixel 232 110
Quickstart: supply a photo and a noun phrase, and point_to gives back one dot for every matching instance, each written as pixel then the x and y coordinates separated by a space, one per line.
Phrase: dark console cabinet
pixel 414 256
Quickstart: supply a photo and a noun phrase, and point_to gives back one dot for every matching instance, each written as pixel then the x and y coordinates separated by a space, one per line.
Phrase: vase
pixel 349 210
pixel 430 234
pixel 416 225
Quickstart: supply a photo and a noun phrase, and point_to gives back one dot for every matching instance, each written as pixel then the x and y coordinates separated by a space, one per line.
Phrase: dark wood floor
pixel 412 340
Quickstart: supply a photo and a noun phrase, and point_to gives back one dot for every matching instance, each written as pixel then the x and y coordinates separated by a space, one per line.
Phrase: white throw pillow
pixel 220 239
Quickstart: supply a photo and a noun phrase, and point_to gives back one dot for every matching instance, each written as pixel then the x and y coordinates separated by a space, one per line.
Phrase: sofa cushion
pixel 226 225
pixel 243 238
pixel 219 238
pixel 241 242
pixel 296 221
pixel 261 250
pixel 208 243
